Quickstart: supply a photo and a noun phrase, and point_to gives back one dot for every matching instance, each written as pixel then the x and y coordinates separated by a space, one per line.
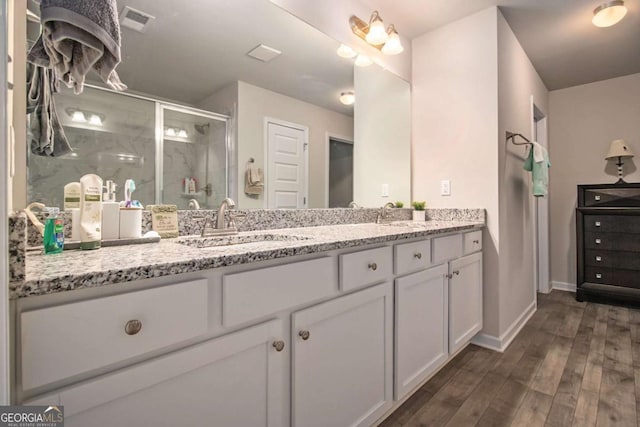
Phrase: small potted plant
pixel 399 204
pixel 418 211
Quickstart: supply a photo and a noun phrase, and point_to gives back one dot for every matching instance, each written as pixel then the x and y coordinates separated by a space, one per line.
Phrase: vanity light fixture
pixel 81 116
pixel 375 34
pixel 608 14
pixel 348 98
pixel 345 51
pixel 363 61
pixel 175 132
pixel 78 117
pixel 95 120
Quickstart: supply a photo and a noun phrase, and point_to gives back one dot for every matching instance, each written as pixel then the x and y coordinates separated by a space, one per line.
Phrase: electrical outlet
pixel 385 190
pixel 445 187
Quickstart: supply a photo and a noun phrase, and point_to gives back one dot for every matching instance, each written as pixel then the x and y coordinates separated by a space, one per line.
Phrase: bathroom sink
pixel 237 239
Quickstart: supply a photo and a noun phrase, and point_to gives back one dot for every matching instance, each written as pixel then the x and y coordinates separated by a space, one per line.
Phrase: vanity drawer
pixel 363 268
pixel 446 248
pixel 472 242
pixel 414 256
pixel 63 341
pixel 253 294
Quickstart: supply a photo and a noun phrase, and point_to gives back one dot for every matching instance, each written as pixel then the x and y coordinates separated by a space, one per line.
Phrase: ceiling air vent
pixel 263 53
pixel 135 19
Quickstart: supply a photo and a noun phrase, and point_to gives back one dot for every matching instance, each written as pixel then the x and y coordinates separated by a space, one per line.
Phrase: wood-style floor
pixel 573 364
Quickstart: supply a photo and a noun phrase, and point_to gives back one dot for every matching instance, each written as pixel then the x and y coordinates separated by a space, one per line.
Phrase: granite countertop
pixel 47 274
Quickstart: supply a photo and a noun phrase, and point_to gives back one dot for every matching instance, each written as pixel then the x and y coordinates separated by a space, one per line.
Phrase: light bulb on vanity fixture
pixel 348 98
pixel 387 41
pixel 608 14
pixel 363 61
pixel 78 117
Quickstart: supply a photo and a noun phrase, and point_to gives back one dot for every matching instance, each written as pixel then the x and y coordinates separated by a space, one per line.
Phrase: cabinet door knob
pixel 304 335
pixel 418 255
pixel 373 266
pixel 278 345
pixel 597 223
pixel 448 276
pixel 598 258
pixel 133 327
pixel 477 242
pixel 456 272
pixel 598 276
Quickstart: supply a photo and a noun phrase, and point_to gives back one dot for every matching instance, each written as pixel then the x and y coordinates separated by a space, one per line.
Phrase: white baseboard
pixel 563 286
pixel 501 343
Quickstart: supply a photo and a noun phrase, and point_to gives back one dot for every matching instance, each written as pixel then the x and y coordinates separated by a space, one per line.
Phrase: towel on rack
pixel 78 36
pixel 253 180
pixel 538 164
pixel 45 131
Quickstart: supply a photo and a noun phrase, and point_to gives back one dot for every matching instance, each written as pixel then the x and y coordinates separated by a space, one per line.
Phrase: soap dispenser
pixel 110 213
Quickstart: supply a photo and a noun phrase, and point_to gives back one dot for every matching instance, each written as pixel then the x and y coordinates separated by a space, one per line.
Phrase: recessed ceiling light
pixel 348 98
pixel 363 61
pixel 346 52
pixel 608 14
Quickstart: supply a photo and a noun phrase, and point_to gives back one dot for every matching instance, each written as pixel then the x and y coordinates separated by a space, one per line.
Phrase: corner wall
pixel 583 121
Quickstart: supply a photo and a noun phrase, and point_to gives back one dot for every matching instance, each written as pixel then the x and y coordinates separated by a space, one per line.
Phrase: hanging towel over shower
pixel 78 36
pixel 253 180
pixel 46 133
pixel 538 164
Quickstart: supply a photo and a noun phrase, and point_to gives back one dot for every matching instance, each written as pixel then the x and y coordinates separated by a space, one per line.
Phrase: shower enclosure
pixel 174 153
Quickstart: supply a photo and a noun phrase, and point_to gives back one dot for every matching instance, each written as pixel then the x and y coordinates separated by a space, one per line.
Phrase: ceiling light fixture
pixel 363 61
pixel 608 14
pixel 345 51
pixel 348 98
pixel 375 34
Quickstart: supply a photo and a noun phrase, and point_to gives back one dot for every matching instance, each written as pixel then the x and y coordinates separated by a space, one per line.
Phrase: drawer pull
pixel 597 223
pixel 373 266
pixel 597 198
pixel 449 276
pixel 278 345
pixel 477 242
pixel 304 335
pixel 418 255
pixel 598 241
pixel 456 272
pixel 598 258
pixel 598 276
pixel 133 327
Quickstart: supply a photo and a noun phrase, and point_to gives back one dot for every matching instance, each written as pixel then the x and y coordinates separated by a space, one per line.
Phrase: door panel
pixel 286 186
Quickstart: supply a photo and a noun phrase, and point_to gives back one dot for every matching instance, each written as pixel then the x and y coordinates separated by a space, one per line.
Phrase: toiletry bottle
pixel 53 232
pixel 72 196
pixel 110 213
pixel 90 211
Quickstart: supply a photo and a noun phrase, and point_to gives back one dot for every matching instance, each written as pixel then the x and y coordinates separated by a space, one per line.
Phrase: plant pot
pixel 419 215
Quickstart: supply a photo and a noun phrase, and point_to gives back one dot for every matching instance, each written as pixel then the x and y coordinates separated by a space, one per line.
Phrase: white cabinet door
pixel 342 360
pixel 235 380
pixel 421 327
pixel 465 300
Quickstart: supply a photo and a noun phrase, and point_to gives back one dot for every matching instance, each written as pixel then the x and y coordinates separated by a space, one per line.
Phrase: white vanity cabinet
pixel 233 380
pixel 465 300
pixel 342 360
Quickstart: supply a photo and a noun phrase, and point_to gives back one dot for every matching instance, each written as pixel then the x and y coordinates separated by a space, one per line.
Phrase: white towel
pixel 539 152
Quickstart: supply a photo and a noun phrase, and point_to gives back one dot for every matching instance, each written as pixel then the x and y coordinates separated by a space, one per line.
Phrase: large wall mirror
pixel 217 87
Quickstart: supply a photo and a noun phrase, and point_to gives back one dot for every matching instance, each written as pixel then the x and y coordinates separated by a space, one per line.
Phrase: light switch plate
pixel 385 190
pixel 445 187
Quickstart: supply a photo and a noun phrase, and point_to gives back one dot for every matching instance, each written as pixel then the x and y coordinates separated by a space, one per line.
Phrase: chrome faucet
pixel 193 204
pixel 226 204
pixel 354 205
pixel 383 214
pixel 221 228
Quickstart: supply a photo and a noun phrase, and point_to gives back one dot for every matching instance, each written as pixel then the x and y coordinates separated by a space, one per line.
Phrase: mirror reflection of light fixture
pixel 608 14
pixel 363 61
pixel 619 150
pixel 95 120
pixel 345 51
pixel 82 116
pixel 79 117
pixel 170 132
pixel 348 98
pixel 182 133
pixel 375 34
pixel 174 132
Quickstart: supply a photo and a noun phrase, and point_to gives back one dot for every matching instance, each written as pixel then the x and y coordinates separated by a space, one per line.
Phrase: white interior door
pixel 286 166
pixel 542 218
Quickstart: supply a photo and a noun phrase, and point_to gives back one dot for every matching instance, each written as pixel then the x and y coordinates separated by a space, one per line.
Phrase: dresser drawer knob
pixel 598 241
pixel 597 198
pixel 373 266
pixel 598 276
pixel 133 327
pixel 598 258
pixel 278 345
pixel 597 223
pixel 418 255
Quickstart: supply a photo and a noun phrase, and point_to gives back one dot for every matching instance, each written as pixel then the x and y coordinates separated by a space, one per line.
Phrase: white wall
pixel 583 121
pixel 517 82
pixel 382 148
pixel 455 127
pixel 332 18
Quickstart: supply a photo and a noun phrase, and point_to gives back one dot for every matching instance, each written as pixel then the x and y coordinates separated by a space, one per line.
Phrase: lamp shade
pixel 618 148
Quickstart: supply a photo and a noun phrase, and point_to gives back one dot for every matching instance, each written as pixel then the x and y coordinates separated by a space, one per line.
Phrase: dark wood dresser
pixel 608 243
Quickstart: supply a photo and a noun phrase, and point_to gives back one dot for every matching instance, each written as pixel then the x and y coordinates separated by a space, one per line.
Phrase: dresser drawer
pixel 612 223
pixel 414 256
pixel 253 294
pixel 602 275
pixel 613 259
pixel 446 248
pixel 612 197
pixel 363 268
pixel 612 241
pixel 71 339
pixel 472 242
